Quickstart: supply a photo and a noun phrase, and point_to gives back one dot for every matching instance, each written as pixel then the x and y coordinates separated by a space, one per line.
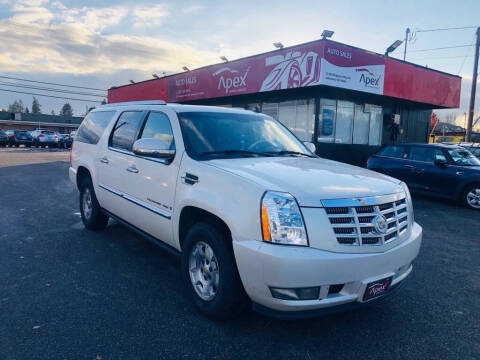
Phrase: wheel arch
pixel 191 215
pixel 82 174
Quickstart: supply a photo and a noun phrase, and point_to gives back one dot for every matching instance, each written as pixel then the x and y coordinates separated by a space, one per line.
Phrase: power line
pixel 446 29
pixel 48 89
pixel 442 48
pixel 52 96
pixel 48 83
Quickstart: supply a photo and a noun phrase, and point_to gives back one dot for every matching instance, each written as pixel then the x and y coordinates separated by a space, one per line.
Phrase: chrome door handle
pixel 104 160
pixel 408 166
pixel 460 173
pixel 132 169
pixel 420 171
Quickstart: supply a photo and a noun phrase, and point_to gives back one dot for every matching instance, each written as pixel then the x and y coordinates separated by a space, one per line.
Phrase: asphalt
pixel 67 293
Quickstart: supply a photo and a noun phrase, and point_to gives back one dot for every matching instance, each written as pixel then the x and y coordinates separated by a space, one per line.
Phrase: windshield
pixel 220 134
pixel 463 157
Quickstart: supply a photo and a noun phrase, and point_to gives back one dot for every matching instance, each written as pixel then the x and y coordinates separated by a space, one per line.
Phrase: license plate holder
pixel 377 288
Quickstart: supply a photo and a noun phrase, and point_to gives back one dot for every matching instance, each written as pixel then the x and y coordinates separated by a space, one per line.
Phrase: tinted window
pixel 93 126
pixel 400 152
pixel 158 127
pixel 426 154
pixel 125 130
pixel 463 157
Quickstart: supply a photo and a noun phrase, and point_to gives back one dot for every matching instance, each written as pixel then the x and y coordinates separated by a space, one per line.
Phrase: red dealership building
pixel 346 100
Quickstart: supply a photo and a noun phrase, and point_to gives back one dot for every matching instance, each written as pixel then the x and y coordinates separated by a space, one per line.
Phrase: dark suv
pixel 18 137
pixel 448 171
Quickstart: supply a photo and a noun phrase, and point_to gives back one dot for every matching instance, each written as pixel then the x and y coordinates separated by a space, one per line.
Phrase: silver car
pixel 45 138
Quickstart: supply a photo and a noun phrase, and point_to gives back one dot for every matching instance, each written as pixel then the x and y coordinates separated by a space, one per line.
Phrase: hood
pixel 310 180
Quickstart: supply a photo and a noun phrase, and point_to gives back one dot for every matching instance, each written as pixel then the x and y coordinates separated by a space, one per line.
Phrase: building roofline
pixel 287 48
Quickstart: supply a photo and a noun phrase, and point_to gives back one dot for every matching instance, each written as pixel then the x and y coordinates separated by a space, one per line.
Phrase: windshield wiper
pixel 234 152
pixel 288 152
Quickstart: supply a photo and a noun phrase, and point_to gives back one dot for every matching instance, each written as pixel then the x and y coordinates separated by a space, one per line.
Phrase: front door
pixel 152 186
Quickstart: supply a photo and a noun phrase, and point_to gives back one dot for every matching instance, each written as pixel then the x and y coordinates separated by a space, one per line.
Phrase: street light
pixel 392 47
pixel 131 81
pixel 278 45
pixel 223 58
pixel 185 68
pixel 155 76
pixel 327 34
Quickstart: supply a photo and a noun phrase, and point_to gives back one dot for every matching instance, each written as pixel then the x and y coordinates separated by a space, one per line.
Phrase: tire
pixel 228 299
pixel 471 197
pixel 92 216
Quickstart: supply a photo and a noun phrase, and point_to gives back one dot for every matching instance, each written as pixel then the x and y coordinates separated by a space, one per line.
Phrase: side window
pixel 399 152
pixel 158 127
pixel 125 130
pixel 93 126
pixel 426 154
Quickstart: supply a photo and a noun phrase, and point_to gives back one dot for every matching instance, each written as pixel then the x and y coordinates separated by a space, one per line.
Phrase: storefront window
pixel 345 122
pixel 297 115
pixel 343 128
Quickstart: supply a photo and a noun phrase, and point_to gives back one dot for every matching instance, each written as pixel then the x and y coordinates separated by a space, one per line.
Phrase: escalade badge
pixel 380 224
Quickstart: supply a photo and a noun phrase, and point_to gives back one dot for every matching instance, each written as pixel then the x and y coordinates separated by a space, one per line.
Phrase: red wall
pixel 406 81
pixel 149 90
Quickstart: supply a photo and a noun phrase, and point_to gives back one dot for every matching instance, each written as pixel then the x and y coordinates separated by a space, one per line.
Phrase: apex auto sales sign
pixel 348 68
pixel 316 63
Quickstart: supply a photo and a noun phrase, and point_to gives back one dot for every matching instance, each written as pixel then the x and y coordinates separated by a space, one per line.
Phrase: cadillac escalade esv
pixel 256 216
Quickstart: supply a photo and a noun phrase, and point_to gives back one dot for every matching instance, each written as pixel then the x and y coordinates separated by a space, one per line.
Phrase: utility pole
pixel 471 108
pixel 406 39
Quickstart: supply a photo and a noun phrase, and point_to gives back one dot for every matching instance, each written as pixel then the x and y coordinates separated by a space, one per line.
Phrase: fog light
pixel 310 293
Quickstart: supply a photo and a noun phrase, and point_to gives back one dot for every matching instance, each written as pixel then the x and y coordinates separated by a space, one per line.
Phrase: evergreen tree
pixel 26 110
pixel 53 112
pixel 66 110
pixel 36 107
pixel 17 106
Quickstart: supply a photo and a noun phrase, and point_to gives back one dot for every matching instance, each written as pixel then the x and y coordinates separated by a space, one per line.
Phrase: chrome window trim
pixel 126 152
pixel 155 210
pixel 365 201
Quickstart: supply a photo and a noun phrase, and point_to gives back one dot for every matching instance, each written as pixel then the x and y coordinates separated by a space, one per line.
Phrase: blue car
pixel 448 171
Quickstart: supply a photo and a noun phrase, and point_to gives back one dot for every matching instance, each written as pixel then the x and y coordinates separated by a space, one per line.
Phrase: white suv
pixel 252 211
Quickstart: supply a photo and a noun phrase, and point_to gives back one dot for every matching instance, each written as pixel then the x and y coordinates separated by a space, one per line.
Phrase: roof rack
pixel 145 102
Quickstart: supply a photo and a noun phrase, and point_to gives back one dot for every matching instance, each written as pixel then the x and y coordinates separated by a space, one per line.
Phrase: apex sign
pixel 231 80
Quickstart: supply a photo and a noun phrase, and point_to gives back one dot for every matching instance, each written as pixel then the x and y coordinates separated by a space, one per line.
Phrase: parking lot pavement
pixel 67 293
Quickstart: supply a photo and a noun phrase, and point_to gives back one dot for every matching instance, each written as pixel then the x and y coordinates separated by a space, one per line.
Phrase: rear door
pixel 393 160
pixel 116 163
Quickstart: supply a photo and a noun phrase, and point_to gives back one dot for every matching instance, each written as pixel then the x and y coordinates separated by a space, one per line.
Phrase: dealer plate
pixel 377 288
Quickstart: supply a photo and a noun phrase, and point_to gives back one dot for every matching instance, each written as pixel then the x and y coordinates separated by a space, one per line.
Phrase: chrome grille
pixel 353 224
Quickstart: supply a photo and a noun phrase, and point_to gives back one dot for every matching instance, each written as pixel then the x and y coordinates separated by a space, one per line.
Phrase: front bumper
pixel 262 265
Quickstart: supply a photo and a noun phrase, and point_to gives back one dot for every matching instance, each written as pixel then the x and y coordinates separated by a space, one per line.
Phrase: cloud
pixel 57 39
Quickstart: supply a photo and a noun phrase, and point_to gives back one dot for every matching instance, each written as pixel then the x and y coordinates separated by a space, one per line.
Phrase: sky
pixel 100 44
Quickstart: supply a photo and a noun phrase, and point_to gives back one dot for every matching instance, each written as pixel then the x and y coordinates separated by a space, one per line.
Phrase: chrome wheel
pixel 87 203
pixel 203 268
pixel 473 198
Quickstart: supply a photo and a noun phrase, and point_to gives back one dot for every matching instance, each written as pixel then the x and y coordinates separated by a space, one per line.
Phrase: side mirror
pixel 440 162
pixel 310 146
pixel 153 148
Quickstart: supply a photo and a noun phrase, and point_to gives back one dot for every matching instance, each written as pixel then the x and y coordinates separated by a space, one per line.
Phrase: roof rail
pixel 144 102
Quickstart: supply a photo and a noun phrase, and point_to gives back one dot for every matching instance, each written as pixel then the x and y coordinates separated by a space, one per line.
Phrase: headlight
pixel 282 221
pixel 409 204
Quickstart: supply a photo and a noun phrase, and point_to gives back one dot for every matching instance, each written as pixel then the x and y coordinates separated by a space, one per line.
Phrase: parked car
pixel 254 214
pixel 19 137
pixel 43 138
pixel 448 171
pixel 64 141
pixel 474 148
pixel 3 138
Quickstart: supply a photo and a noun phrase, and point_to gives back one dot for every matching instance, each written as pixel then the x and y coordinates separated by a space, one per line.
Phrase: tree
pixel 26 110
pixel 53 112
pixel 17 106
pixel 36 107
pixel 66 110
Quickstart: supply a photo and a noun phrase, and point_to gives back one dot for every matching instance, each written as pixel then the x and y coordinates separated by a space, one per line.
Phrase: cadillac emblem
pixel 380 224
